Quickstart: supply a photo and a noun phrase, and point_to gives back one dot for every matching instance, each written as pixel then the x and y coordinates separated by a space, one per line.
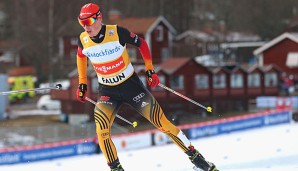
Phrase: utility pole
pixel 50 39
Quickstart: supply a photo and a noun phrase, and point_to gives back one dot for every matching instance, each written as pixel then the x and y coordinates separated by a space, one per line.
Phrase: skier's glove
pixel 81 92
pixel 152 78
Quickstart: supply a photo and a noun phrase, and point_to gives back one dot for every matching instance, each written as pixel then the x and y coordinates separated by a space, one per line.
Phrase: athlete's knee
pixel 102 133
pixel 167 126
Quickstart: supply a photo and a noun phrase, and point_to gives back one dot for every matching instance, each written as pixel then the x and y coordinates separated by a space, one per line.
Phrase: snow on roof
pixel 218 36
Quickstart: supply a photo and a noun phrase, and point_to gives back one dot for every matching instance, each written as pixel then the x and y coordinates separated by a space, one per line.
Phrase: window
pixel 94 84
pixel 162 80
pixel 271 79
pixel 254 80
pixel 165 53
pixel 132 52
pixel 74 41
pixel 176 82
pixel 202 81
pixel 159 33
pixel 219 81
pixel 236 80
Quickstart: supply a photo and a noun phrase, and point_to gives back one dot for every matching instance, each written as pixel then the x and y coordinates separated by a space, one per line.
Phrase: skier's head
pixel 89 10
pixel 90 18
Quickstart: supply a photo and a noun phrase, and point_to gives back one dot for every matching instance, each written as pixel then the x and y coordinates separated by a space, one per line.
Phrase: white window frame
pixel 222 79
pixel 254 80
pixel 236 80
pixel 271 76
pixel 159 33
pixel 165 53
pixel 74 41
pixel 201 81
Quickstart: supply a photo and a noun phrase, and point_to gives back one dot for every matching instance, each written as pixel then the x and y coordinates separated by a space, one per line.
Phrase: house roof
pixel 267 68
pixel 218 36
pixel 217 69
pixel 196 34
pixel 27 70
pixel 171 65
pixel 253 68
pixel 142 25
pixel 136 25
pixel 9 44
pixel 287 35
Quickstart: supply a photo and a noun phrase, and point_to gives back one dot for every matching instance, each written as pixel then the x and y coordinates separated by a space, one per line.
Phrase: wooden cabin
pixel 157 32
pixel 281 51
pixel 223 88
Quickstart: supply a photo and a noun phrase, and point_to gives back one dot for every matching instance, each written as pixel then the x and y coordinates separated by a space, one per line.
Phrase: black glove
pixel 81 92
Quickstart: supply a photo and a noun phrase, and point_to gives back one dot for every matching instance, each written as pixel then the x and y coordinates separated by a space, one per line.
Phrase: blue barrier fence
pixel 45 153
pixel 194 131
pixel 237 125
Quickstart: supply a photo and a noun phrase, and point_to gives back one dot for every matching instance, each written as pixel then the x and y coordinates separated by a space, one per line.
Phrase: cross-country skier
pixel 105 47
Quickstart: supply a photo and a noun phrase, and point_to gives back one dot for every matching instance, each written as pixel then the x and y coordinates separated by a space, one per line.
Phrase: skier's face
pixel 92 26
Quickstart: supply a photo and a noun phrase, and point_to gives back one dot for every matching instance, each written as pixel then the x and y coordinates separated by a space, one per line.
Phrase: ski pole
pixel 209 109
pixel 57 86
pixel 134 124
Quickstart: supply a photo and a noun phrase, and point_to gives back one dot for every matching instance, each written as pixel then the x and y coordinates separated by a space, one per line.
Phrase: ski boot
pixel 200 163
pixel 116 166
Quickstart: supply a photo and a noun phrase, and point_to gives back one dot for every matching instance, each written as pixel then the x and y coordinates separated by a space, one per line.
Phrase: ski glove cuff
pixel 81 92
pixel 152 78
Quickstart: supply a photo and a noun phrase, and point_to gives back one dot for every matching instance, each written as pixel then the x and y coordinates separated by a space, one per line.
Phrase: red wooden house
pixel 281 51
pixel 157 32
pixel 225 89
pixel 187 77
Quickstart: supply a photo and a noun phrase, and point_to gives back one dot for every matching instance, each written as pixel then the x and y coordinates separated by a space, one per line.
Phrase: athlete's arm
pixel 126 36
pixel 81 64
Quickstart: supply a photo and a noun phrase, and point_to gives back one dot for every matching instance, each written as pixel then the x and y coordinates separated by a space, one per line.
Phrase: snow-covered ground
pixel 273 148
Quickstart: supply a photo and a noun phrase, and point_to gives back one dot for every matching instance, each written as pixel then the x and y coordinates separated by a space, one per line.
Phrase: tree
pixel 29 22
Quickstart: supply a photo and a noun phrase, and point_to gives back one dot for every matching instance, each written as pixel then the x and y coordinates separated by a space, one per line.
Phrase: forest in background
pixel 34 23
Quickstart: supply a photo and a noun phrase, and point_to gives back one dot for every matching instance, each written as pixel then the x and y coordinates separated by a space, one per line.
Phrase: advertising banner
pixel 132 141
pixel 47 153
pixel 240 124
